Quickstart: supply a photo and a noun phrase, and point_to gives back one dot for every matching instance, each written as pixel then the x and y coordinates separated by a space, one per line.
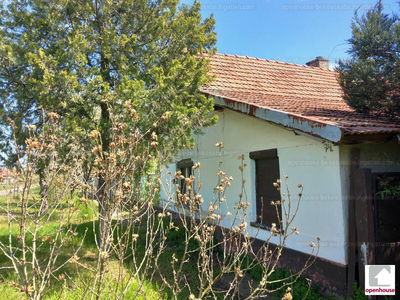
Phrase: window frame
pixel 257 156
pixel 185 166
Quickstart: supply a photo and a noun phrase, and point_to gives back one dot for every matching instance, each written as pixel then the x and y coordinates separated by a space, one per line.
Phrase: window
pixel 267 172
pixel 185 166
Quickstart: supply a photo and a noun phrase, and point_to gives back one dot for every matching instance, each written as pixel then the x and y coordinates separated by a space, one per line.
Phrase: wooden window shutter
pixel 185 166
pixel 184 163
pixel 267 172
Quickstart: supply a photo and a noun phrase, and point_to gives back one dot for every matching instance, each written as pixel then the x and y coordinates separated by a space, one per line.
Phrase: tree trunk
pixel 103 212
pixel 103 187
pixel 105 131
pixel 86 178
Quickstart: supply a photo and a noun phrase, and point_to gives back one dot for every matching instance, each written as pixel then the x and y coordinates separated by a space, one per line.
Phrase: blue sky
pixel 294 31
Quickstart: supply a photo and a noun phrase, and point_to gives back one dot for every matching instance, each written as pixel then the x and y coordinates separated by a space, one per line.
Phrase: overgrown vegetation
pixel 73 58
pixel 50 242
pixel 98 96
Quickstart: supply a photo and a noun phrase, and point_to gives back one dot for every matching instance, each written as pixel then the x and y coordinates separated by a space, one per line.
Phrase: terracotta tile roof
pixel 4 173
pixel 310 93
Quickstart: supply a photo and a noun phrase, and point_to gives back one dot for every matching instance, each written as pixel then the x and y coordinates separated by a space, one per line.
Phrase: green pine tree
pixel 71 57
pixel 371 78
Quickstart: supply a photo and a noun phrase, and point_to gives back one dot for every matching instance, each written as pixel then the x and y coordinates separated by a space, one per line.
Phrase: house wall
pixel 305 160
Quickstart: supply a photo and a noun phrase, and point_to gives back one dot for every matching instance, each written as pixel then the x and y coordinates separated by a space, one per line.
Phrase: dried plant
pixel 234 242
pixel 49 234
pixel 27 215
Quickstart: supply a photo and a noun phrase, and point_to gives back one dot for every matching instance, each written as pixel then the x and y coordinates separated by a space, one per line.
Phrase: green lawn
pixel 78 277
pixel 88 256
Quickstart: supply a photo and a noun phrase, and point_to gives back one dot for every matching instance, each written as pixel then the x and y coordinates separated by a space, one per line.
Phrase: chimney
pixel 319 62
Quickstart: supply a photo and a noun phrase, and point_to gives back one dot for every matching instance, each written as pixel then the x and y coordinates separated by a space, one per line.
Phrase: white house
pixel 292 118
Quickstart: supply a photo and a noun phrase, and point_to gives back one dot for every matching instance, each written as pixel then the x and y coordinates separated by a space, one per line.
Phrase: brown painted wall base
pixel 331 276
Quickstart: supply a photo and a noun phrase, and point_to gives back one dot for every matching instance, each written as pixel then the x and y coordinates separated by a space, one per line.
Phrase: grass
pixel 8 186
pixel 88 255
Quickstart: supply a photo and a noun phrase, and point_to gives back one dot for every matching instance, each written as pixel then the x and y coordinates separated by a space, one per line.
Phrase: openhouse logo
pixel 379 280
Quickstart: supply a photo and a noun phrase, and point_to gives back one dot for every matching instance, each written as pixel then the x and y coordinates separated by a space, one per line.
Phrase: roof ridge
pixel 275 61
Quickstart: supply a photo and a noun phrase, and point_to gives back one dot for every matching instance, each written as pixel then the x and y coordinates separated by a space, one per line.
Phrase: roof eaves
pixel 287 120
